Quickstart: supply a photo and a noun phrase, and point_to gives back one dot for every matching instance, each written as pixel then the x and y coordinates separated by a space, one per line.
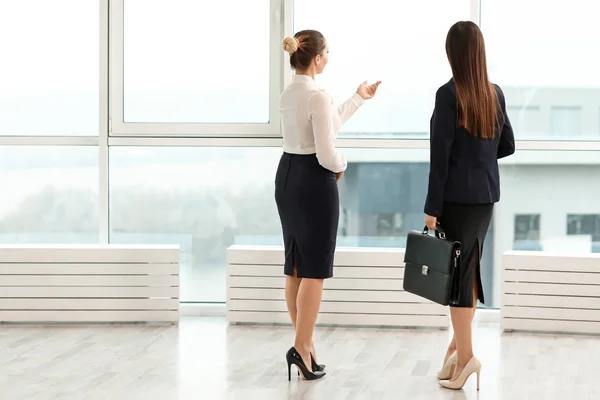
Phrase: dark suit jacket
pixel 463 168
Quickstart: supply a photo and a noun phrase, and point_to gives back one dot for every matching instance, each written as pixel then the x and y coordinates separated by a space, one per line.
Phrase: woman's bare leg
pixel 462 322
pixel 308 304
pixel 452 345
pixel 292 285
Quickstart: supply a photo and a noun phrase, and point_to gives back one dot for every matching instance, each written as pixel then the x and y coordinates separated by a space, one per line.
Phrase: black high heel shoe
pixel 315 366
pixel 293 357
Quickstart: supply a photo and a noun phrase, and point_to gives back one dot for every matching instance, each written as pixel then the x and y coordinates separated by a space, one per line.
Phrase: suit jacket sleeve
pixel 506 147
pixel 443 125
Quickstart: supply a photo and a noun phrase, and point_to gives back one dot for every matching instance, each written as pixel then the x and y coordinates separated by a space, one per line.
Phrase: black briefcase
pixel 431 266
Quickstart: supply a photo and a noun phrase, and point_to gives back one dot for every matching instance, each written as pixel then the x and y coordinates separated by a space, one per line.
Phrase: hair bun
pixel 290 44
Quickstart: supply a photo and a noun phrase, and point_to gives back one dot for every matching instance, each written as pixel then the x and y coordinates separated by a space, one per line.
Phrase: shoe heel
pixel 292 357
pixel 477 380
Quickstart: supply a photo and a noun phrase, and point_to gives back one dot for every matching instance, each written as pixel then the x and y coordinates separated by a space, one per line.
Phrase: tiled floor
pixel 204 358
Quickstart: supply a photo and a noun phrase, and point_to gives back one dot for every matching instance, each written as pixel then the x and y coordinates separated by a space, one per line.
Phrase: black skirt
pixel 308 204
pixel 468 224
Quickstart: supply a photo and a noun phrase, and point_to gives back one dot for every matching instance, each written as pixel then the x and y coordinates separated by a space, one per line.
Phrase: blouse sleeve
pixel 322 115
pixel 349 107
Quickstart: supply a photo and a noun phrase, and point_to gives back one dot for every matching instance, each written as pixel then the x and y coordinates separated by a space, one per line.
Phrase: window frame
pixel 119 128
pixel 235 136
pixel 266 134
pixel 70 139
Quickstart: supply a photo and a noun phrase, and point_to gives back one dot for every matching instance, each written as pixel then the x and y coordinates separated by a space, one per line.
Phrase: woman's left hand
pixel 367 92
pixel 431 222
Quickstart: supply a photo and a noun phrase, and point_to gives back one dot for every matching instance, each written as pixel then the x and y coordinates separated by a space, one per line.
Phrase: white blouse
pixel 310 122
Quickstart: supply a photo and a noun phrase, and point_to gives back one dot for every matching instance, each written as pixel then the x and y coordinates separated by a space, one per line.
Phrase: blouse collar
pixel 302 78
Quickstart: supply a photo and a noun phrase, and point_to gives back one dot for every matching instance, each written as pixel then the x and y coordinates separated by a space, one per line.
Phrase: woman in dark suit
pixel 470 131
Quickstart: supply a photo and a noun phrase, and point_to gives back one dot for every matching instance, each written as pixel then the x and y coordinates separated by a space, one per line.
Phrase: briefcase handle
pixel 439 232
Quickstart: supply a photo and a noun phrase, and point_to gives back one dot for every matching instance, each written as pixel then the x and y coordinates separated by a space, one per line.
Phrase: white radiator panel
pixel 548 292
pixel 366 290
pixel 89 283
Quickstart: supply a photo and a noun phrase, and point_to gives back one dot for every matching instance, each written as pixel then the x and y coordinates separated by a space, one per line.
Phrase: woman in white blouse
pixel 306 189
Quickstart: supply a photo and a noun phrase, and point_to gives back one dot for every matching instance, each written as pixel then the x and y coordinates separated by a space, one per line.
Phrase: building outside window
pixel 587 225
pixel 527 232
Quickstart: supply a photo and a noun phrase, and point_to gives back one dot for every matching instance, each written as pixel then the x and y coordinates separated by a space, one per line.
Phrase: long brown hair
pixel 477 99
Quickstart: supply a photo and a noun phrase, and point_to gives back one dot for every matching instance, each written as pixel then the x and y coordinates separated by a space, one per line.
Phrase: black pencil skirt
pixel 308 204
pixel 468 224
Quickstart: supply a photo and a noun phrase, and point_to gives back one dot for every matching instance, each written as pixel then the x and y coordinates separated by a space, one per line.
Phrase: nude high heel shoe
pixel 473 366
pixel 448 369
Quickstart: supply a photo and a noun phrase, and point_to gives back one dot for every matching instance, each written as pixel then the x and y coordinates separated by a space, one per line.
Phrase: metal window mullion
pixel 48 140
pixel 115 59
pixel 415 144
pixel 278 10
pixel 475 12
pixel 288 30
pixel 103 189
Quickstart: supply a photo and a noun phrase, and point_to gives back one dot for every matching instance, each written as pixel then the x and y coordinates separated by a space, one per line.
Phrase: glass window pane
pixel 49 74
pixel 49 194
pixel 526 120
pixel 203 199
pixel 401 43
pixel 195 61
pixel 206 199
pixel 565 122
pixel 550 198
pixel 550 67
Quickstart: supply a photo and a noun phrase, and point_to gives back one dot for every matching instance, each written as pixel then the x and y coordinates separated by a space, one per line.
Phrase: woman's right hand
pixel 367 92
pixel 338 176
pixel 431 222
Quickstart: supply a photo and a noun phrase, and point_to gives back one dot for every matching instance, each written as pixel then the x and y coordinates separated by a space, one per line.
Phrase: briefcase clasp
pixel 425 270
